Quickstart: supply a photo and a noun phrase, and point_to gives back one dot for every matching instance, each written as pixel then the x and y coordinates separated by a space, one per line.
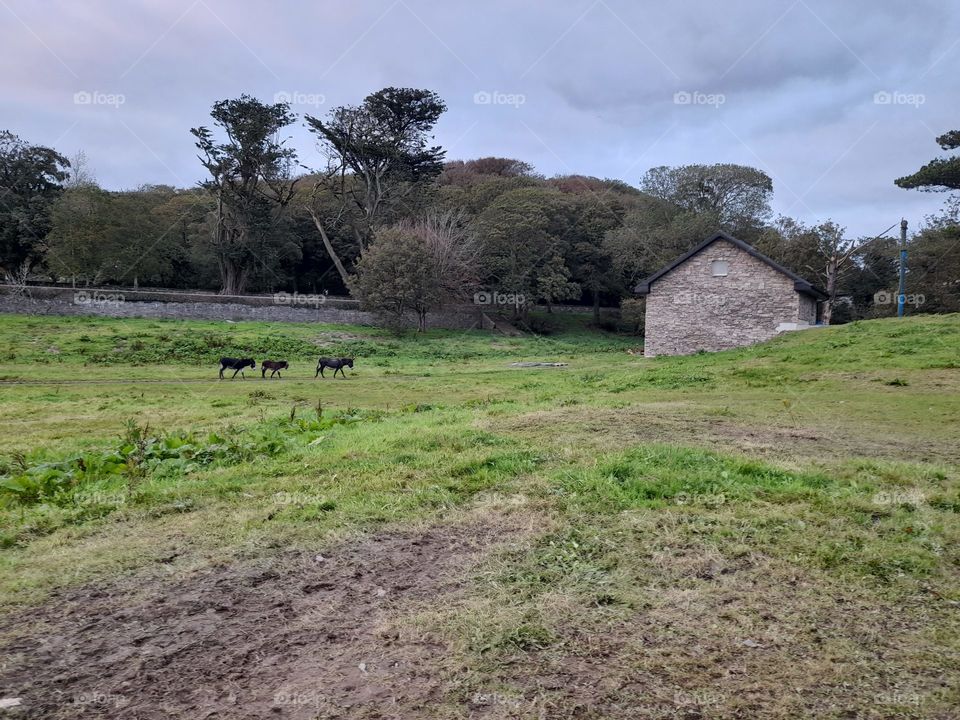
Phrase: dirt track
pixel 296 637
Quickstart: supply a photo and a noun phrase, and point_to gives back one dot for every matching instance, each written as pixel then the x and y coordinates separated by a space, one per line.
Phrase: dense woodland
pixel 375 210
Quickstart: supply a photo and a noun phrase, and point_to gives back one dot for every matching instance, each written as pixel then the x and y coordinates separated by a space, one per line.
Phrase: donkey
pixel 274 366
pixel 336 363
pixel 237 365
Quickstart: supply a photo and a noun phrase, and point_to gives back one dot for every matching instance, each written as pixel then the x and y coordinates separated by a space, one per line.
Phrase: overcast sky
pixel 832 99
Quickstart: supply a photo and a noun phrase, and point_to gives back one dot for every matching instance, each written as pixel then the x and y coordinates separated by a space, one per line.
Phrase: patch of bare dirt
pixel 326 339
pixel 607 429
pixel 298 636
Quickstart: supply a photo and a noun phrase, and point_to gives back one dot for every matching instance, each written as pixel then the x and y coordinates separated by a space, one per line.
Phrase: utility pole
pixel 901 298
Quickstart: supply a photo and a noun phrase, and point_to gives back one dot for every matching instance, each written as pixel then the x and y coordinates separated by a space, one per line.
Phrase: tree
pixel 590 260
pixel 837 252
pixel 183 217
pixel 250 178
pixel 466 172
pixel 31 179
pixel 394 277
pixel 822 254
pixel 123 237
pixel 554 283
pixel 934 262
pixel 76 245
pixel 474 195
pixel 940 174
pixel 653 233
pixel 738 196
pixel 452 251
pixel 81 174
pixel 633 311
pixel 378 156
pixel 874 269
pixel 416 267
pixel 526 236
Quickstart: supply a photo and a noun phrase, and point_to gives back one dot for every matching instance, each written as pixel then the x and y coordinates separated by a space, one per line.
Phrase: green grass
pixel 76 387
pixel 818 465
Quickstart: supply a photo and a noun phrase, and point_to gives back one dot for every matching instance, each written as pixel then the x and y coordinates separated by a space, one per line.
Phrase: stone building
pixel 723 294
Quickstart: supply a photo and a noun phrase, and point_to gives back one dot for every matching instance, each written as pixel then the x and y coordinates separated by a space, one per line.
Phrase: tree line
pixel 378 211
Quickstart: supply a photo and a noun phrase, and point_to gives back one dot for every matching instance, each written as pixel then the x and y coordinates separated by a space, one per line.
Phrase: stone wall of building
pixel 689 309
pixel 808 309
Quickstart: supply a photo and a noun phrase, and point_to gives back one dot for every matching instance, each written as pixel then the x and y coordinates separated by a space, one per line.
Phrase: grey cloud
pixel 598 78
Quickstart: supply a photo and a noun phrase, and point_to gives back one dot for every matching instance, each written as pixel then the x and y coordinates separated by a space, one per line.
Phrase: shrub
pixel 633 312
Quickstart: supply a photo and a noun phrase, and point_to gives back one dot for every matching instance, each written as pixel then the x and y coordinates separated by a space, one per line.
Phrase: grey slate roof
pixel 799 284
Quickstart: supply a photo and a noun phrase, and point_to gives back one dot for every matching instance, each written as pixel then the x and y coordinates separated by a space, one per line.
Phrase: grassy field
pixel 767 532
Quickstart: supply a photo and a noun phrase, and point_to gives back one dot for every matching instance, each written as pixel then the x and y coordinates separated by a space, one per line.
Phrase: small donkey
pixel 338 364
pixel 274 366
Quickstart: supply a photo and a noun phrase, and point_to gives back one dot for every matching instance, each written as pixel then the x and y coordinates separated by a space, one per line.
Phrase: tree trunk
pixel 233 278
pixel 596 307
pixel 330 251
pixel 831 288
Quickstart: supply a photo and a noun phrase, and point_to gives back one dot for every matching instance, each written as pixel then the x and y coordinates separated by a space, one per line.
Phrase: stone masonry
pixel 123 303
pixel 690 309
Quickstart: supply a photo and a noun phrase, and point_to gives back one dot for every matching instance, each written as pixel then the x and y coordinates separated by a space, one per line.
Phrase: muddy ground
pixel 298 636
pixel 303 636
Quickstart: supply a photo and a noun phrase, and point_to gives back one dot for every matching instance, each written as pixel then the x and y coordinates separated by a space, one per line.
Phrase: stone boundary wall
pixel 69 294
pixel 106 302
pixel 205 305
pixel 63 292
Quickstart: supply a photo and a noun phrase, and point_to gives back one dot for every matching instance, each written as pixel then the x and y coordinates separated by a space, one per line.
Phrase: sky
pixel 834 100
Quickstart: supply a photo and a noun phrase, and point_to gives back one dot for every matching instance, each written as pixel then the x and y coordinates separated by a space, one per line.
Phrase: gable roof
pixel 799 284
